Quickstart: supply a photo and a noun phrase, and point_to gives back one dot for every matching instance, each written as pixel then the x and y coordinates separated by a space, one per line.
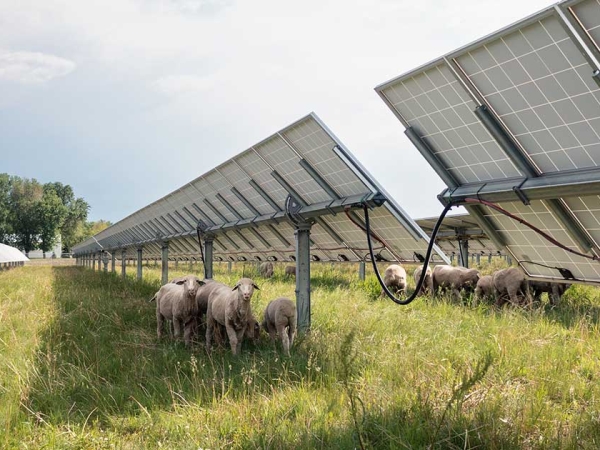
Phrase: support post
pixel 464 252
pixel 361 271
pixel 176 263
pixel 123 263
pixel 139 263
pixel 303 276
pixel 208 256
pixel 113 262
pixel 165 262
pixel 191 264
pixel 478 258
pixel 490 258
pixel 229 266
pixel 104 261
pixel 94 261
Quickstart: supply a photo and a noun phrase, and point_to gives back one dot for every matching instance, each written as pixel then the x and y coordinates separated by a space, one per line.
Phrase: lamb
pixel 290 271
pixel 177 302
pixel 231 308
pixel 484 288
pixel 427 288
pixel 280 319
pixel 395 279
pixel 266 269
pixel 252 333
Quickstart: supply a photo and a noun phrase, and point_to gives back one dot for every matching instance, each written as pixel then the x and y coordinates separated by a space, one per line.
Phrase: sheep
pixel 554 290
pixel 231 308
pixel 177 302
pixel 427 288
pixel 456 279
pixel 484 288
pixel 266 269
pixel 394 279
pixel 252 333
pixel 280 315
pixel 290 271
pixel 511 283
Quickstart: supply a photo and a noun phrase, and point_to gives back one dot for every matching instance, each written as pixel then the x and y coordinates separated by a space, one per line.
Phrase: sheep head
pixel 190 284
pixel 245 288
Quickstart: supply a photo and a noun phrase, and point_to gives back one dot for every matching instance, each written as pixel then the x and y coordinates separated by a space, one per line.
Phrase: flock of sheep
pixel 505 285
pixel 226 312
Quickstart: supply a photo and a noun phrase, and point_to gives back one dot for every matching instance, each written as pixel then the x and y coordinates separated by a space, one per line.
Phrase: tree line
pixel 33 215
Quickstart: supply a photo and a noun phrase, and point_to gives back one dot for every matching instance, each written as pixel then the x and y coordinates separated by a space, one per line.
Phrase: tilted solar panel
pixel 514 118
pixel 243 203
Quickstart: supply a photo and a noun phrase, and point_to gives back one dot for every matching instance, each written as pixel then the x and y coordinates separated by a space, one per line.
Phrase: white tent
pixel 11 254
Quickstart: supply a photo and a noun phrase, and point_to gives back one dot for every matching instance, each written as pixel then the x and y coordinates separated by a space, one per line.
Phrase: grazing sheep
pixel 455 279
pixel 394 279
pixel 290 271
pixel 554 290
pixel 280 319
pixel 427 288
pixel 484 288
pixel 510 283
pixel 231 308
pixel 266 269
pixel 177 302
pixel 252 333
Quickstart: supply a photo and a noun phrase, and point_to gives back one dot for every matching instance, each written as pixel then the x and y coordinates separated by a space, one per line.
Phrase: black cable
pixel 201 252
pixel 425 263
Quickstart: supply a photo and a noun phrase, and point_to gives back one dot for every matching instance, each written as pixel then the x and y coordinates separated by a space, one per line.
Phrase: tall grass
pixel 81 367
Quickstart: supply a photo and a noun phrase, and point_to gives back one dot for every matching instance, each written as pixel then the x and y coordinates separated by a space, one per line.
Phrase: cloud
pixel 32 67
pixel 182 84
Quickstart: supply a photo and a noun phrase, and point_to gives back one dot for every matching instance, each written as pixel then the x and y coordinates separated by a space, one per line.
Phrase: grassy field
pixel 81 367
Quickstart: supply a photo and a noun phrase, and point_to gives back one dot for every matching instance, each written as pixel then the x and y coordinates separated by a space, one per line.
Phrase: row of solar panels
pixel 243 202
pixel 513 117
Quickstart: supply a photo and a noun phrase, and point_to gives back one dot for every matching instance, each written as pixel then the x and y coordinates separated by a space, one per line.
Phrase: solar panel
pixel 514 118
pixel 243 203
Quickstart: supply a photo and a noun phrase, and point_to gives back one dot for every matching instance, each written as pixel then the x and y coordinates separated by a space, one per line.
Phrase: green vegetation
pixel 80 367
pixel 32 214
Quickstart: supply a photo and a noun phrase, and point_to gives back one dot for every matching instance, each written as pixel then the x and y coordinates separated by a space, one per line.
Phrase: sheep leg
pixel 177 327
pixel 160 320
pixel 284 339
pixel 292 331
pixel 188 330
pixel 210 323
pixel 272 331
pixel 233 338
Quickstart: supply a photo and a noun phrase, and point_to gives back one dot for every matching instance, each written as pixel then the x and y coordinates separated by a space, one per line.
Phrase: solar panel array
pixel 519 104
pixel 242 201
pixel 460 226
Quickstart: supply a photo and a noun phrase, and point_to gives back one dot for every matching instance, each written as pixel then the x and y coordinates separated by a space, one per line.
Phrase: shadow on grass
pixel 101 357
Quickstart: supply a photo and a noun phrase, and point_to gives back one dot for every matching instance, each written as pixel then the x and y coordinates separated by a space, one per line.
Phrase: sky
pixel 127 100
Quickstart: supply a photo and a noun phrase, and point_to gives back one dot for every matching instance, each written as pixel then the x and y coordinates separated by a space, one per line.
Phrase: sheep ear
pixel 179 282
pixel 235 287
pixel 255 287
pixel 200 282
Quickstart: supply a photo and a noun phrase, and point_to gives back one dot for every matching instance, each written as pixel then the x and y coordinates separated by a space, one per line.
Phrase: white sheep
pixel 177 302
pixel 280 319
pixel 290 271
pixel 266 269
pixel 427 287
pixel 231 308
pixel 394 279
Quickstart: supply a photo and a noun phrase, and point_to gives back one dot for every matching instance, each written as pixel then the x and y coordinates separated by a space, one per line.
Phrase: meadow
pixel 81 367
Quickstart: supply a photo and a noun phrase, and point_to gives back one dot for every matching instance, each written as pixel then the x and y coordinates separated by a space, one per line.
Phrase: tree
pixel 77 209
pixel 51 214
pixel 25 197
pixel 5 211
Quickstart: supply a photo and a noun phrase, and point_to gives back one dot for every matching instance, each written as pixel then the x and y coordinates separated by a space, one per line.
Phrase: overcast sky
pixel 128 100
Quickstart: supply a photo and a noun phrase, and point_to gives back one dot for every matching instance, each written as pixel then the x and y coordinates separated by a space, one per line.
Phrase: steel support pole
pixel 139 263
pixel 490 258
pixel 94 262
pixel 123 263
pixel 113 262
pixel 303 276
pixel 208 256
pixel 105 262
pixel 361 271
pixel 176 263
pixel 464 252
pixel 478 258
pixel 191 264
pixel 229 267
pixel 165 262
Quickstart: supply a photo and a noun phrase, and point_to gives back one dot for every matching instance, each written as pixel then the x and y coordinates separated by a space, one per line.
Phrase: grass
pixel 81 367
